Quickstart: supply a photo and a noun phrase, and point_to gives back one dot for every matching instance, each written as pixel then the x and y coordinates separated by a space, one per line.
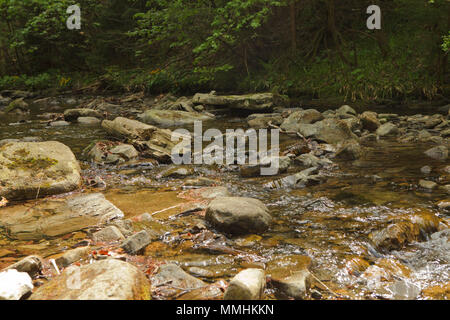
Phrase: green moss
pixel 30 163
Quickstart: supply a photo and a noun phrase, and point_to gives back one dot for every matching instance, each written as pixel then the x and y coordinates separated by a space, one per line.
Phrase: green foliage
pixel 319 48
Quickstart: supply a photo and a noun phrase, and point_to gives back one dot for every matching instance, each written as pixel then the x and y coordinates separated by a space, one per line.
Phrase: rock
pixel 356 266
pixel 171 118
pixel 387 129
pixel 248 284
pixel 310 160
pixel 345 112
pixel 332 131
pixel 238 215
pixel 138 242
pixel 89 121
pixel 108 234
pixel 200 272
pixel 31 265
pixel 72 115
pixel 295 121
pixel 349 151
pixel 125 226
pixel 14 285
pixel 251 102
pixel 299 180
pixel 438 153
pixel 108 152
pixel 72 256
pixel 36 169
pixel 214 192
pixel 247 171
pixel 170 279
pixel 404 230
pixel 445 188
pixel 437 292
pixel 16 94
pixel 429 185
pixel 177 172
pixel 395 236
pixel 17 106
pixel 155 143
pixel 294 286
pixel 59 124
pixel 370 121
pixel 282 267
pixel 353 123
pixel 423 135
pixel 108 279
pixel 57 217
pixel 426 169
pixel 262 120
pixel 404 290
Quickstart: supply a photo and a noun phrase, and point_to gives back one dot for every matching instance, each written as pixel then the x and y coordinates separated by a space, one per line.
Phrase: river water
pixel 329 223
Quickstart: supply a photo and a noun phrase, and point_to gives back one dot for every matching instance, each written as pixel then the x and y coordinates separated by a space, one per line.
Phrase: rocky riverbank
pixel 92 207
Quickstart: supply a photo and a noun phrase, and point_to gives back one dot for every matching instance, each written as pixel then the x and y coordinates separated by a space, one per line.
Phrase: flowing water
pixel 329 222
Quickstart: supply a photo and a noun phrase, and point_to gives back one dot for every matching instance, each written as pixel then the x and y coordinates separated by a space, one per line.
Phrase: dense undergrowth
pixel 314 48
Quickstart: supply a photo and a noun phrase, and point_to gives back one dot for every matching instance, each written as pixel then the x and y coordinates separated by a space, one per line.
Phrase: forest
pixel 314 48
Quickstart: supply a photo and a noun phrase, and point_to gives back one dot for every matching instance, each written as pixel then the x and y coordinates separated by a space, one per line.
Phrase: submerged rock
pixel 404 230
pixel 299 180
pixel 248 284
pixel 295 285
pixel 108 279
pixel 237 215
pixel 14 285
pixel 52 218
pixel 438 153
pixel 171 279
pixel 36 169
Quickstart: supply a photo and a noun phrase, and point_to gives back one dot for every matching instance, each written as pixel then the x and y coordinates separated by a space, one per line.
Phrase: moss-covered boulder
pixel 36 169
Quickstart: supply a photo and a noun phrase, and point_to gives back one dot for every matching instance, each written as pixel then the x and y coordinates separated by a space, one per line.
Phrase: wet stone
pixel 248 284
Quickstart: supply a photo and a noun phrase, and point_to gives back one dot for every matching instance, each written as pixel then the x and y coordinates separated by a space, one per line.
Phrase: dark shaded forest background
pixel 315 48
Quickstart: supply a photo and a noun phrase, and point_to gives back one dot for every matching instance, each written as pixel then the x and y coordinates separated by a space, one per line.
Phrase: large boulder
pixel 238 215
pixel 57 217
pixel 108 279
pixel 35 169
pixel 171 118
pixel 250 102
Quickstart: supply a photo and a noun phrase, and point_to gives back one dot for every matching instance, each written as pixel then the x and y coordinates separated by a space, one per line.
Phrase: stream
pixel 329 223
